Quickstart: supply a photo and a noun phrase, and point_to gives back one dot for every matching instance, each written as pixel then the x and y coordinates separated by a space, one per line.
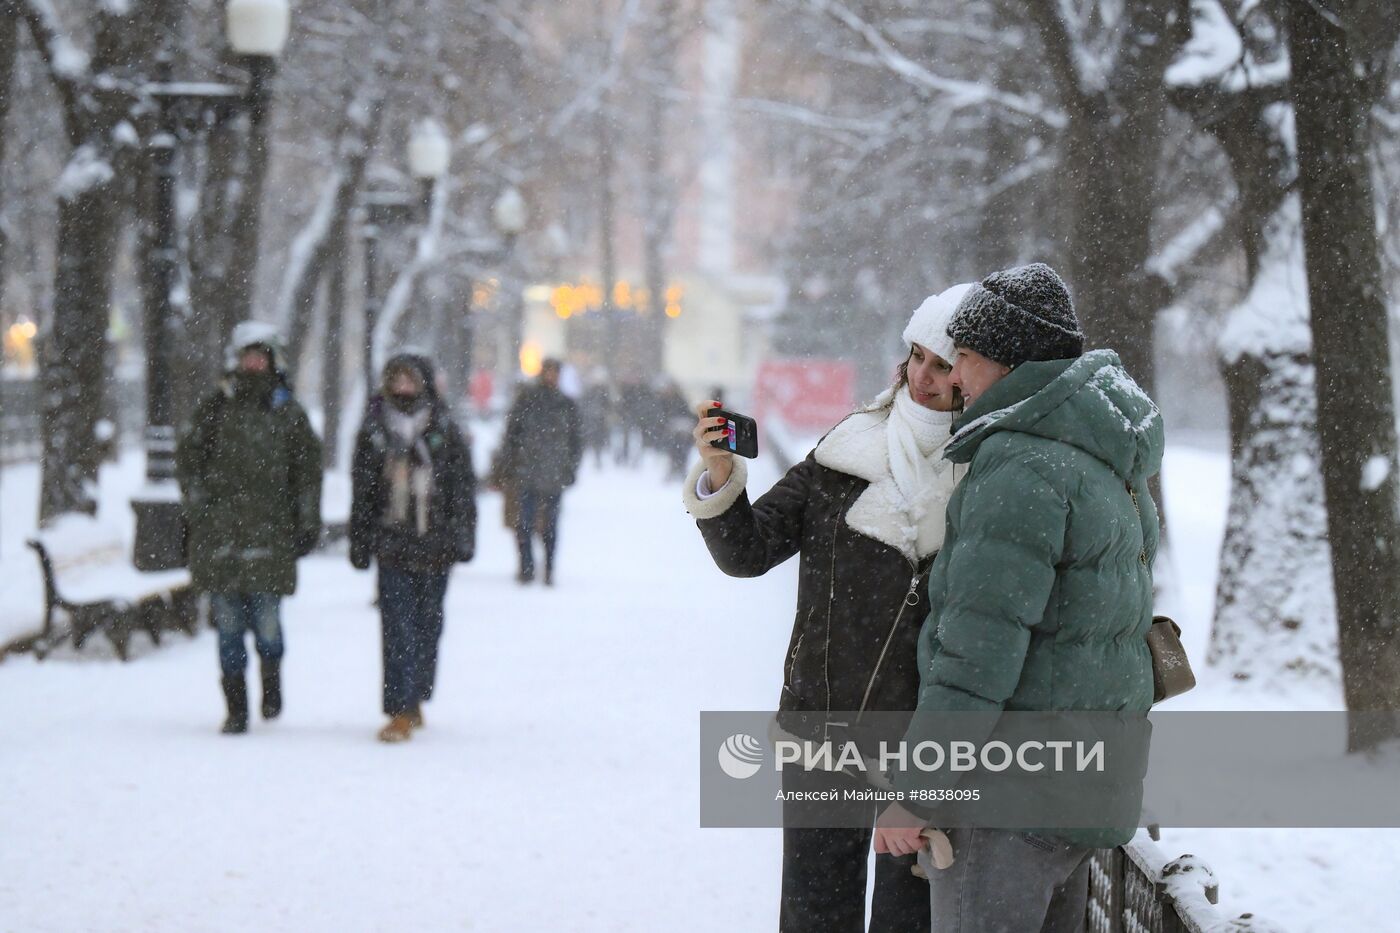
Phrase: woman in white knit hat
pixel 865 510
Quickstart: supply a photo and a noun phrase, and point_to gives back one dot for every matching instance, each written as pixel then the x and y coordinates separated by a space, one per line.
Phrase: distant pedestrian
pixel 543 445
pixel 676 422
pixel 249 468
pixel 413 510
pixel 598 412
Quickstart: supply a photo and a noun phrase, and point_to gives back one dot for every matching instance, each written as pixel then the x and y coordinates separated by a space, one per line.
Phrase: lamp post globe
pixel 258 27
pixel 510 213
pixel 429 151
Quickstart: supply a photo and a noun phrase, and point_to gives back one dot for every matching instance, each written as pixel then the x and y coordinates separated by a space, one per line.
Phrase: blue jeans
pixel 410 611
pixel 546 506
pixel 234 614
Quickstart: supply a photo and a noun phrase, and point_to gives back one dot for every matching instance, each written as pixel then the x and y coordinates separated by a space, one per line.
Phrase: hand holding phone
pixel 739 433
pixel 711 435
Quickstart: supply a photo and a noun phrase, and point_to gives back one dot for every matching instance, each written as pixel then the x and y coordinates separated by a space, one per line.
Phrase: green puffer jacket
pixel 1042 595
pixel 250 477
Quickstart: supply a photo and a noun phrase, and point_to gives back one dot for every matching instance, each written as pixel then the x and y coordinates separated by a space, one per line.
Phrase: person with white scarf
pixel 865 511
pixel 413 512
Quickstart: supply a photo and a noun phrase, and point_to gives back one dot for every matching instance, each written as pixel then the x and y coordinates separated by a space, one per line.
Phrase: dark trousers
pixel 544 508
pixel 824 878
pixel 234 615
pixel 410 611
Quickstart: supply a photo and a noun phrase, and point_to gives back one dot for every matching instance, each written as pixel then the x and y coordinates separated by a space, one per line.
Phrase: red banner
pixel 807 394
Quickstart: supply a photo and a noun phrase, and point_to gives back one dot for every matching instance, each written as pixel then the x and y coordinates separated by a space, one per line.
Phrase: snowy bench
pixel 90 586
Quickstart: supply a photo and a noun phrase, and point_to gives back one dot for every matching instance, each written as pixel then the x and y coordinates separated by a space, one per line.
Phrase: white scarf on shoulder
pixel 897 446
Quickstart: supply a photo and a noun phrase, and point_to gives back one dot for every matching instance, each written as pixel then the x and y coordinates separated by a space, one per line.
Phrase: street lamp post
pixel 429 156
pixel 257 30
pixel 257 34
pixel 510 214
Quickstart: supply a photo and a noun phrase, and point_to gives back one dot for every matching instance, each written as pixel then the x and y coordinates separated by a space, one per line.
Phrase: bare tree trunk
pixel 9 43
pixel 660 208
pixel 325 236
pixel 74 350
pixel 621 366
pixel 332 361
pixel 1332 97
pixel 1112 146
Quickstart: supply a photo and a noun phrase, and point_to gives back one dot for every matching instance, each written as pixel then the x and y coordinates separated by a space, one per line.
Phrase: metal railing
pixel 1135 888
pixel 21 416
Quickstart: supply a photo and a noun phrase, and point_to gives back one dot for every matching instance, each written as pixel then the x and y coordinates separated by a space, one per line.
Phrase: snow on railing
pixel 1136 889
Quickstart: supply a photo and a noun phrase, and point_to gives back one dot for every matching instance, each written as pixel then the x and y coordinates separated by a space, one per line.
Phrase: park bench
pixel 90 587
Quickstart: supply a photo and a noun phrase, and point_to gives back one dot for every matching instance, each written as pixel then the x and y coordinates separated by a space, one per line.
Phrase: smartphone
pixel 740 433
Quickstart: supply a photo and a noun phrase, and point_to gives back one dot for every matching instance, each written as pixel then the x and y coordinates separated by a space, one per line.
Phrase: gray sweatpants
pixel 1008 882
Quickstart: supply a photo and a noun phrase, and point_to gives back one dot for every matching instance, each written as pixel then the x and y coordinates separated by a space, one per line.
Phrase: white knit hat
pixel 929 325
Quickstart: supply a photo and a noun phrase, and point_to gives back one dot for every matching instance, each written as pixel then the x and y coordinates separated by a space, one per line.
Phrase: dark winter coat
pixel 856 596
pixel 543 440
pixel 1042 594
pixel 451 535
pixel 249 468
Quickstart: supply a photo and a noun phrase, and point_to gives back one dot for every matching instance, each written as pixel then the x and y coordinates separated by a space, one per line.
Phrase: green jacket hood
pixel 1089 402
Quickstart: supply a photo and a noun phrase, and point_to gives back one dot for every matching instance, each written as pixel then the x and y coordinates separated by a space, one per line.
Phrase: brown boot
pixel 415 717
pixel 399 729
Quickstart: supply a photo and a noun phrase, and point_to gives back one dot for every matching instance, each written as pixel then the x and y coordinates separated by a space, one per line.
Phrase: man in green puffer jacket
pixel 249 468
pixel 1042 596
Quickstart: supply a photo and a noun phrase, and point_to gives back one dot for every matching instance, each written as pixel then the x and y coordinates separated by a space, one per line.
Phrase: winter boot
pixel 271 689
pixel 399 729
pixel 236 694
pixel 415 716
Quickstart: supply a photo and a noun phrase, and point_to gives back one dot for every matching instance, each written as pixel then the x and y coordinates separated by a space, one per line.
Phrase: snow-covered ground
pixel 555 787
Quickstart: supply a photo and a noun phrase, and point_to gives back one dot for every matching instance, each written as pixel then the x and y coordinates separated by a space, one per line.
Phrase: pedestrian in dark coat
pixel 864 512
pixel 249 468
pixel 543 446
pixel 413 510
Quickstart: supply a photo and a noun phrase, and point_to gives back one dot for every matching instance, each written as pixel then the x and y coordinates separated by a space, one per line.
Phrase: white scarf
pixel 896 445
pixel 409 468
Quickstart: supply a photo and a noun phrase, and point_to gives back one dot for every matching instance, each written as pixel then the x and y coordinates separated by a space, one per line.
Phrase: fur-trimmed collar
pixel 858 447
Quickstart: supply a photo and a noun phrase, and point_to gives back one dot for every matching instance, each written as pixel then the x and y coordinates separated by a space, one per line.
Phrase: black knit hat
pixel 1018 316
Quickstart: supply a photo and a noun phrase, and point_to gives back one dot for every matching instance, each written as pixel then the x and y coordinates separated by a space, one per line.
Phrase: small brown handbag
pixel 1171 668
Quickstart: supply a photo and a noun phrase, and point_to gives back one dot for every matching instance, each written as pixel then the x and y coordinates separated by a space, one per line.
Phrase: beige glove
pixel 939 852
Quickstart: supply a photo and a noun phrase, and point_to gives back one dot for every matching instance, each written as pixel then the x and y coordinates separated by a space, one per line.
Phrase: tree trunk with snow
pixel 323 241
pixel 74 347
pixel 1333 90
pixel 1115 99
pixel 101 105
pixel 1275 616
